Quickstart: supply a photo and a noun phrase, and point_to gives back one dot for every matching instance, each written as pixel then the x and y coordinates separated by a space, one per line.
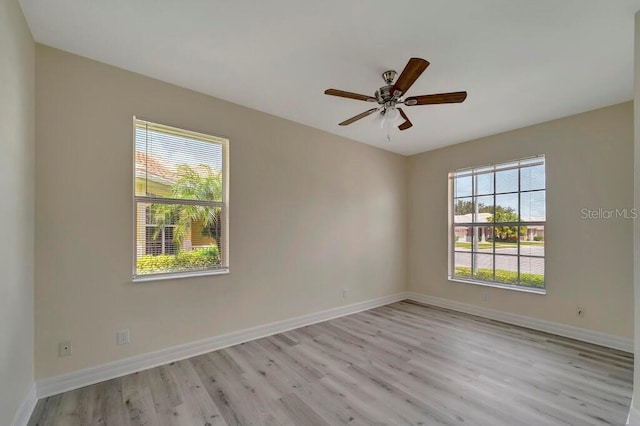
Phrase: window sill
pixel 177 275
pixel 540 291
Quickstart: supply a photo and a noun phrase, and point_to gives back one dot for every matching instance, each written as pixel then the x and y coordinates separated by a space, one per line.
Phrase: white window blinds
pixel 181 192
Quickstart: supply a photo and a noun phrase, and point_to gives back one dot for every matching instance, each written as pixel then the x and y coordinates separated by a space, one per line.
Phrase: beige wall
pixel 310 214
pixel 16 208
pixel 589 263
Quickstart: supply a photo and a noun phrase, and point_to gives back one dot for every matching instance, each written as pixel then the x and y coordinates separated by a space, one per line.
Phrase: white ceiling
pixel 521 61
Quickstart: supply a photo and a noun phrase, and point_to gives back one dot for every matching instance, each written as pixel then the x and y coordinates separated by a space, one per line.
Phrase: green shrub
pixel 193 260
pixel 150 263
pixel 502 276
pixel 538 238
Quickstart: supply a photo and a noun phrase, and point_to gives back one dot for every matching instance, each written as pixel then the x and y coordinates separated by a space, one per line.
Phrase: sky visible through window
pixel 174 149
pixel 505 180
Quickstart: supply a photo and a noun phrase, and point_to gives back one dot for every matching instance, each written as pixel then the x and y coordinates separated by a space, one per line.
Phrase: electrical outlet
pixel 123 337
pixel 64 348
pixel 345 292
pixel 580 312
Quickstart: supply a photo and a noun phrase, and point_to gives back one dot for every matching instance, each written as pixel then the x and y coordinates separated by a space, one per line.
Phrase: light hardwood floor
pixel 403 363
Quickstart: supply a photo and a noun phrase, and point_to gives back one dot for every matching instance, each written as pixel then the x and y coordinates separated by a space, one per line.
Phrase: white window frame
pixel 223 244
pixel 452 224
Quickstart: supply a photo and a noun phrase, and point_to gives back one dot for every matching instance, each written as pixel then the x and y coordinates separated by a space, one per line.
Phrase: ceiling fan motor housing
pixel 384 94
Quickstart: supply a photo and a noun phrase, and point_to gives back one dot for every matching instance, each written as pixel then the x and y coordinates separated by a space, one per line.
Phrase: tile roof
pixel 154 167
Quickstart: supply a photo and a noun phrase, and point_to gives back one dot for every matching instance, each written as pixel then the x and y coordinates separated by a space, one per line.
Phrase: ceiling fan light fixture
pixel 391 114
pixel 380 120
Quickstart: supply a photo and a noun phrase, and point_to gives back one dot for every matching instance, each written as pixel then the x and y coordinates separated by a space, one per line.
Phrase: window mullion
pixel 493 232
pixel 185 202
pixel 519 220
pixel 473 228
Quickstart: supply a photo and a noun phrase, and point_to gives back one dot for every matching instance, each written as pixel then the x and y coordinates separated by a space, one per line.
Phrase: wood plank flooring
pixel 403 363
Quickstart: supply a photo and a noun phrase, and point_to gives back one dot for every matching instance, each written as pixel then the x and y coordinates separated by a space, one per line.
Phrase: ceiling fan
pixel 392 94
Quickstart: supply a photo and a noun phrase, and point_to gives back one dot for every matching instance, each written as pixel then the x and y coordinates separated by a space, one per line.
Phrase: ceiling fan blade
pixel 409 75
pixel 407 123
pixel 358 117
pixel 350 95
pixel 439 98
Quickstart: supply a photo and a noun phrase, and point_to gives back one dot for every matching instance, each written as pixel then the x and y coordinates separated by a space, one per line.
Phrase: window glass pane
pixel 170 164
pixel 532 243
pixel 482 239
pixel 463 237
pixel 509 246
pixel 506 208
pixel 156 216
pixel 463 186
pixel 483 269
pixel 533 206
pixel 506 269
pixel 170 245
pixel 507 236
pixel 507 181
pixel 463 210
pixel 462 265
pixel 153 240
pixel 484 206
pixel 506 245
pixel 532 178
pixel 532 272
pixel 181 238
pixel 484 183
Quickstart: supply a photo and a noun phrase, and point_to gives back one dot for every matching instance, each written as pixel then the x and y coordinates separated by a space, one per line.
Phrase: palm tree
pixel 193 183
pixel 506 233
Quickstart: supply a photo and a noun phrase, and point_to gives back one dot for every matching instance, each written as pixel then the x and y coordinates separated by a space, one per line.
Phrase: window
pixel 180 196
pixel 497 224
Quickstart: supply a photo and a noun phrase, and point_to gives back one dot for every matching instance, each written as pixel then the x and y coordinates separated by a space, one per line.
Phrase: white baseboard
pixel 596 337
pixel 634 416
pixel 88 376
pixel 26 408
